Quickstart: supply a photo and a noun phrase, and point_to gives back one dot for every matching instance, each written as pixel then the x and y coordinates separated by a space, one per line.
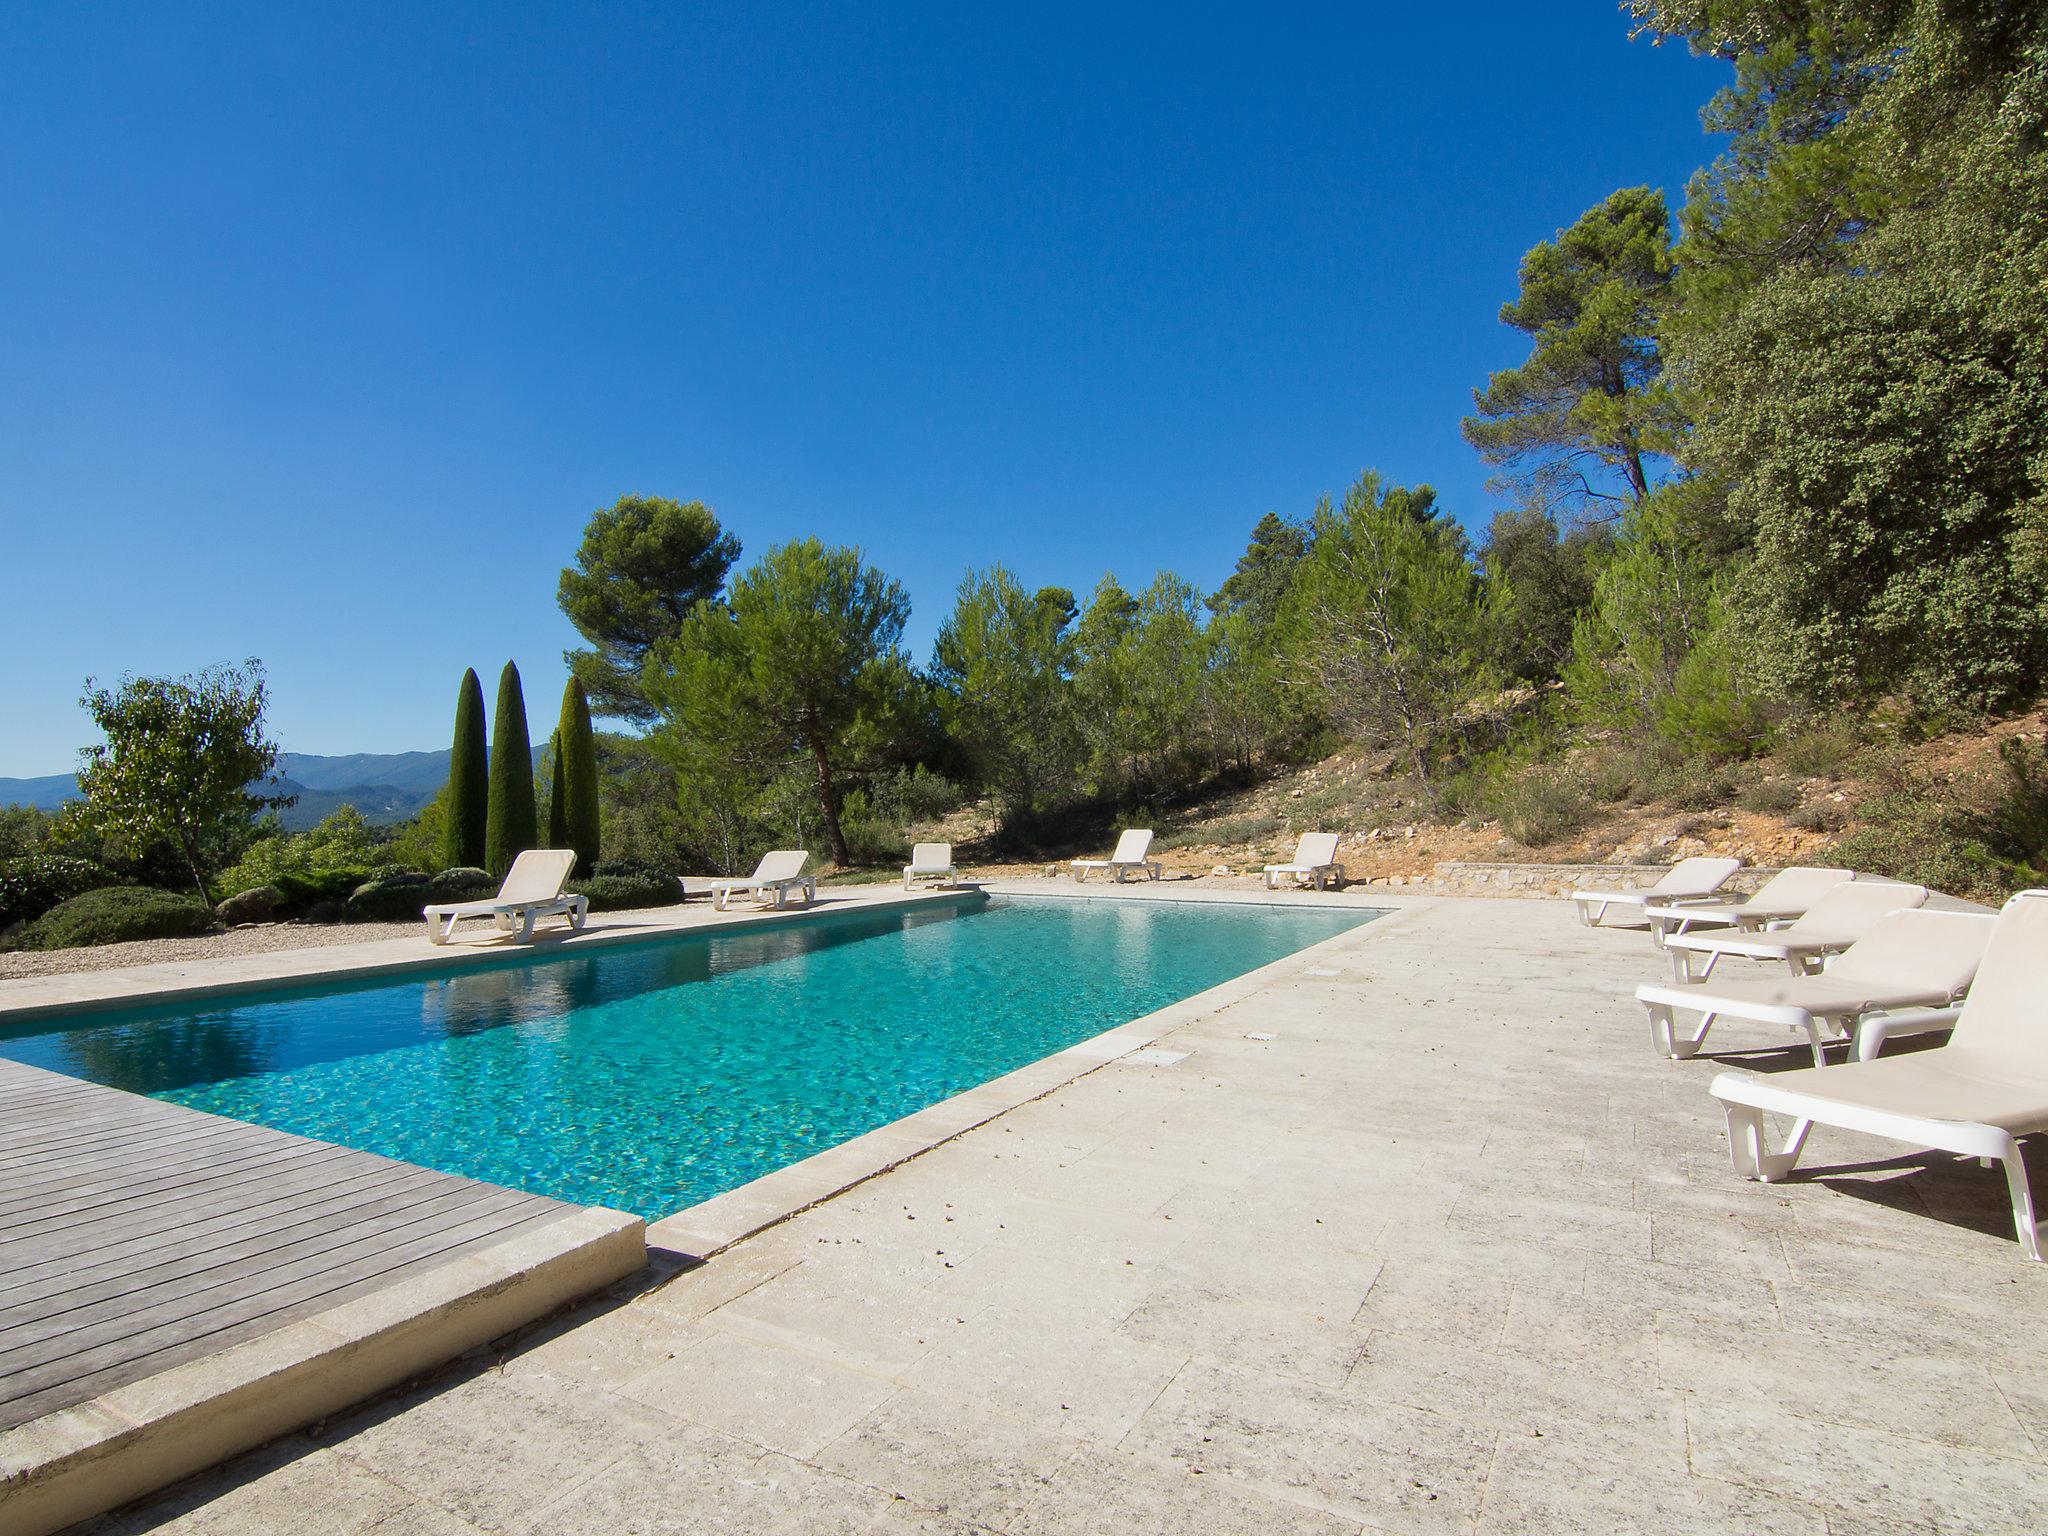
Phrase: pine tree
pixel 576 777
pixel 469 784
pixel 512 826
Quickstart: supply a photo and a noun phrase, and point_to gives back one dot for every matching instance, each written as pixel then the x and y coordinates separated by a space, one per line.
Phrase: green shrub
pixel 258 904
pixel 461 884
pixel 1543 806
pixel 1770 797
pixel 1971 836
pixel 1698 786
pixel 1253 829
pixel 312 888
pixel 620 887
pixel 1821 816
pixel 34 883
pixel 390 897
pixel 1819 749
pixel 116 913
pixel 1611 777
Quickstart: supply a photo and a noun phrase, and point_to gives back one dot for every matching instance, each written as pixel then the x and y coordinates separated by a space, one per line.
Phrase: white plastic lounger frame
pixel 1975 1097
pixel 1908 960
pixel 1783 898
pixel 1131 851
pixel 532 890
pixel 930 861
pixel 1689 880
pixel 1314 862
pixel 778 873
pixel 1834 922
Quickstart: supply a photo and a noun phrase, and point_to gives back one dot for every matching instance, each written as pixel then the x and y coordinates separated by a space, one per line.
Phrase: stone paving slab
pixel 1454 1251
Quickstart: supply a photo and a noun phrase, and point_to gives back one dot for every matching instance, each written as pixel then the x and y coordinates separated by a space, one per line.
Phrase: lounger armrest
pixel 1874 1030
pixel 1701 999
pixel 485 907
pixel 1729 944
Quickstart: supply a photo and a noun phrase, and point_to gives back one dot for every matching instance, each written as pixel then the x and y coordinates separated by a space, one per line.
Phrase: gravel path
pixel 213 946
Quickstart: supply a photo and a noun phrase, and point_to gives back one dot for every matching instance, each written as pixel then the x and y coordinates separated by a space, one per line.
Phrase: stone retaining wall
pixel 1460 877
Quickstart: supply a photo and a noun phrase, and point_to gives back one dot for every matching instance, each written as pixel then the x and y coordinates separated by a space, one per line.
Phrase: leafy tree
pixel 1590 394
pixel 576 779
pixel 1654 600
pixel 1138 679
pixel 1386 622
pixel 469 783
pixel 23 829
pixel 513 825
pixel 1862 333
pixel 1002 662
pixel 645 561
pixel 1542 578
pixel 178 762
pixel 1246 708
pixel 803 661
pixel 1259 581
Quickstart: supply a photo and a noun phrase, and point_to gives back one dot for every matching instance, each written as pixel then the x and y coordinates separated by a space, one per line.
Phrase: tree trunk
pixel 1638 481
pixel 198 877
pixel 828 804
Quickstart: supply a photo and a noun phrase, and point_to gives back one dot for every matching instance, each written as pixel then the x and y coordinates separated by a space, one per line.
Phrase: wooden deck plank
pixel 136 1233
pixel 169 1270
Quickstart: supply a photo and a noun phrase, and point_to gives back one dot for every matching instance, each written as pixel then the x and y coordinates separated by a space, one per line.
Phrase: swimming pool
pixel 648 1077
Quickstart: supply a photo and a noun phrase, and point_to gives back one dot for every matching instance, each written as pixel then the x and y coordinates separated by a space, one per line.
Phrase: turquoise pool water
pixel 650 1076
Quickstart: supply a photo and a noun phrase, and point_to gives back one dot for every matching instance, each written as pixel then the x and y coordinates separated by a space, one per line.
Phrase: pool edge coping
pixel 703 1231
pixel 141 986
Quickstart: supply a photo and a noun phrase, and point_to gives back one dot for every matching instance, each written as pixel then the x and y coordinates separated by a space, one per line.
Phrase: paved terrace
pixel 1453 1252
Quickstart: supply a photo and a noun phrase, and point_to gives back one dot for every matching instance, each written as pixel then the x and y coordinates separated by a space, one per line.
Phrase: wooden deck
pixel 136 1234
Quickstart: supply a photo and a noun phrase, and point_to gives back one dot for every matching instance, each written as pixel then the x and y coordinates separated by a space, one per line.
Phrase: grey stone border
pixel 712 1226
pixel 26 998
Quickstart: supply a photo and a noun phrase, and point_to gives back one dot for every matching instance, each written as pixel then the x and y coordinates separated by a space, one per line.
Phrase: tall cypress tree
pixel 558 819
pixel 576 773
pixel 511 827
pixel 469 785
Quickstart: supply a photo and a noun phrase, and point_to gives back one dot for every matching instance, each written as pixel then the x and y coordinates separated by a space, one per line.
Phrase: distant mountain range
pixel 384 786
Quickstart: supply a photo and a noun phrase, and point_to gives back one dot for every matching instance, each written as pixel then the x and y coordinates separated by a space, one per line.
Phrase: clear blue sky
pixel 324 333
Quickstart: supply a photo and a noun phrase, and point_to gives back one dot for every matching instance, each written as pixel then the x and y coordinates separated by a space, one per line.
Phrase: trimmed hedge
pixel 116 913
pixel 34 883
pixel 316 889
pixel 618 886
pixel 461 884
pixel 394 898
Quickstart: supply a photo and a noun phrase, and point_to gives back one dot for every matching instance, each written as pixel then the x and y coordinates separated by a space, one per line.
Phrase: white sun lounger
pixel 1910 960
pixel 532 890
pixel 1695 879
pixel 778 873
pixel 930 861
pixel 1834 922
pixel 1975 1096
pixel 1780 899
pixel 1131 851
pixel 1315 861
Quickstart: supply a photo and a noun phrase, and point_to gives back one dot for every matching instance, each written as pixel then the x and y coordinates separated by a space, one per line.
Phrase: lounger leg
pixel 2024 1224
pixel 1746 1133
pixel 434 933
pixel 1664 1033
pixel 1681 966
pixel 580 914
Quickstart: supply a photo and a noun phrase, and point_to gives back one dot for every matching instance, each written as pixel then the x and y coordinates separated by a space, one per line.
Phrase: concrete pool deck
pixel 1418 1235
